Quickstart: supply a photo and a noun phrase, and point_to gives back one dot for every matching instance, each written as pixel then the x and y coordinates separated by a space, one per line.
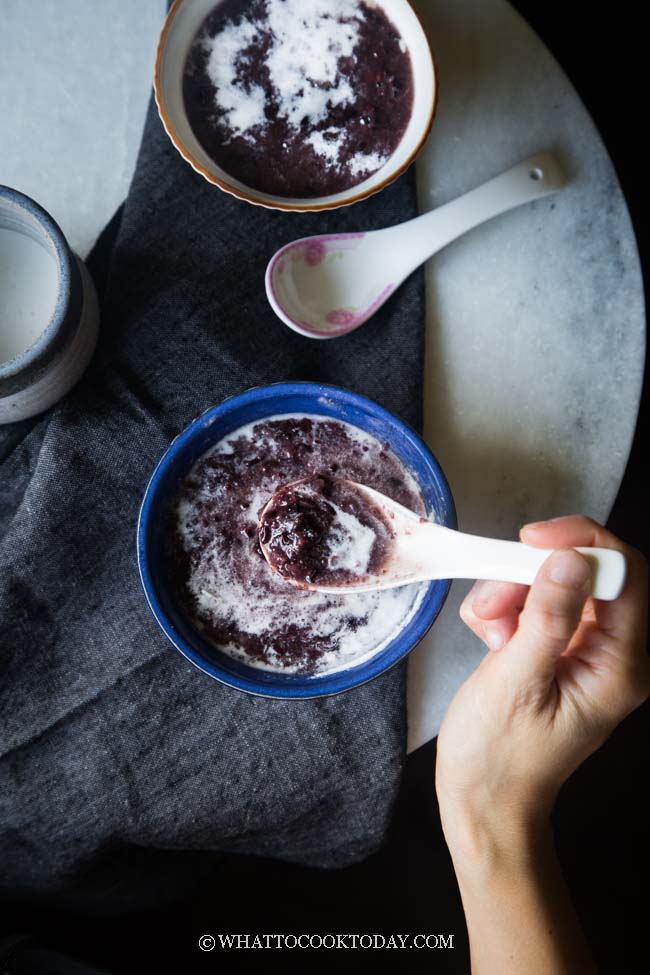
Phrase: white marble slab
pixel 535 323
pixel 75 79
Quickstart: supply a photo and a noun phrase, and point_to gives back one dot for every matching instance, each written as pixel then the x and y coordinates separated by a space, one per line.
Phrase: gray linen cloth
pixel 111 745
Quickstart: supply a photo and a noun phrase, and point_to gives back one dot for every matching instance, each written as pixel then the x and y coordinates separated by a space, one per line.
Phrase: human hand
pixel 563 671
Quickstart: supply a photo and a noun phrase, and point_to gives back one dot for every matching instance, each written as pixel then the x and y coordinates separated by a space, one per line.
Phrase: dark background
pixel 409 885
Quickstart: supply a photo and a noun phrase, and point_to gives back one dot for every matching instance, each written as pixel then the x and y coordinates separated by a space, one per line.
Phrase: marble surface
pixel 535 322
pixel 75 79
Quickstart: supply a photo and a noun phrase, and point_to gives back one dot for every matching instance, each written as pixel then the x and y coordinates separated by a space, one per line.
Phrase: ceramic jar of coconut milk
pixel 48 310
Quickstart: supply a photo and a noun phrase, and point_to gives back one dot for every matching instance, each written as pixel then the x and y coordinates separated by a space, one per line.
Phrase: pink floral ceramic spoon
pixel 328 285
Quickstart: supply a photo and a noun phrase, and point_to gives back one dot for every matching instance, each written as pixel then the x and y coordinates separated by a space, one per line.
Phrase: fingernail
pixel 482 592
pixel 568 568
pixel 535 525
pixel 495 638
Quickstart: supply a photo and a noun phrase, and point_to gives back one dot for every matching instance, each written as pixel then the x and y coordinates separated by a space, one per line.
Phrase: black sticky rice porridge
pixel 323 531
pixel 222 580
pixel 298 98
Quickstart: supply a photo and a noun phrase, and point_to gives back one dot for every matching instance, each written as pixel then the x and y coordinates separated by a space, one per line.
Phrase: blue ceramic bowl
pixel 203 433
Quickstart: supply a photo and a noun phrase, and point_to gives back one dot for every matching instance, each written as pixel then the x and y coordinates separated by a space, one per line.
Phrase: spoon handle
pixel 529 180
pixel 472 557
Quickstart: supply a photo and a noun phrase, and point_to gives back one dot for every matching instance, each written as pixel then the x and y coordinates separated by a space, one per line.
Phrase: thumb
pixel 550 616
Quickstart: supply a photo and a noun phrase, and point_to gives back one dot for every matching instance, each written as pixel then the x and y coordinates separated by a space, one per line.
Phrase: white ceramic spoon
pixel 328 285
pixel 422 550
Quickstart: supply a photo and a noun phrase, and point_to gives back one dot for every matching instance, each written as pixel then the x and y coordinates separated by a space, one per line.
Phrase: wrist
pixel 488 838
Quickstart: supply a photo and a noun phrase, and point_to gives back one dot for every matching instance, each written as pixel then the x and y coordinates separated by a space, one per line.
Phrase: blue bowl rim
pixel 328 684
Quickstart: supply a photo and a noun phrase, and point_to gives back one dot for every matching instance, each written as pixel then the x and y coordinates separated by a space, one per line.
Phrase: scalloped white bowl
pixel 179 30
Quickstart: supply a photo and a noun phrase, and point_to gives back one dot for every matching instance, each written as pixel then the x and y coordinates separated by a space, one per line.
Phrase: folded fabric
pixel 111 744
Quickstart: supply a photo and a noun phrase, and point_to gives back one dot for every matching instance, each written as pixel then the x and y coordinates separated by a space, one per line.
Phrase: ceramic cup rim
pixel 379 181
pixel 160 487
pixel 27 366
